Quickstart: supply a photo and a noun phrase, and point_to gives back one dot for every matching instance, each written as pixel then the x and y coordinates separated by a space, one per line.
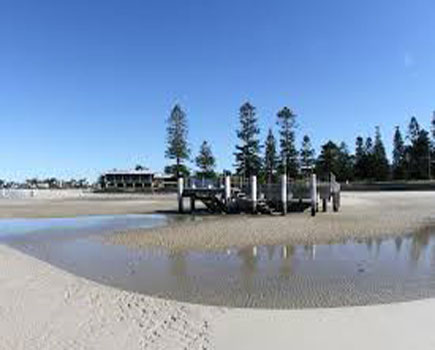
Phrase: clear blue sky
pixel 86 86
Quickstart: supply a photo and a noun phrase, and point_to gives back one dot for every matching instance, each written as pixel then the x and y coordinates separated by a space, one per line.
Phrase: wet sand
pixel 69 205
pixel 362 215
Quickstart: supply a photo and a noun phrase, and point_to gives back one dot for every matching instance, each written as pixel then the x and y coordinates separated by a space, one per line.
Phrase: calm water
pixel 348 273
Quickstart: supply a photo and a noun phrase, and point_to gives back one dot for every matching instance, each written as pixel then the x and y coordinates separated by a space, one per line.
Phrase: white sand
pixel 42 307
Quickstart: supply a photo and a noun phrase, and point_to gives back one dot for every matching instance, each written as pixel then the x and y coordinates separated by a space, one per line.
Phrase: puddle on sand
pixel 351 273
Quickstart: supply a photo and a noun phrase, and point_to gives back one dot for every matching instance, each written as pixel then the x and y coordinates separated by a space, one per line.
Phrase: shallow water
pixel 349 273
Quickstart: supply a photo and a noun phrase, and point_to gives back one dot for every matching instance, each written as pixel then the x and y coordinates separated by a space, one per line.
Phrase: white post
pixel 284 193
pixel 227 189
pixel 180 194
pixel 313 195
pixel 254 193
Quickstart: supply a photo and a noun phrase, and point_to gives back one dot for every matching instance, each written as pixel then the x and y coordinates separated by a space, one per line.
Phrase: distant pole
pixel 313 195
pixel 180 194
pixel 254 193
pixel 284 193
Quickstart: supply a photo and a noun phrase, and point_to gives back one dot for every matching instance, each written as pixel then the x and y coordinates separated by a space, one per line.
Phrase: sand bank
pixel 362 215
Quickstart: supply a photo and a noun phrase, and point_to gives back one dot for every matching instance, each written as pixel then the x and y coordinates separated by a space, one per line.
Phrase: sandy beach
pixel 362 215
pixel 43 307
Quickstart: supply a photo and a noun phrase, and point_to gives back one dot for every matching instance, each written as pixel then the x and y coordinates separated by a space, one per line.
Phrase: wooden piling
pixel 180 188
pixel 313 195
pixel 227 190
pixel 254 193
pixel 284 193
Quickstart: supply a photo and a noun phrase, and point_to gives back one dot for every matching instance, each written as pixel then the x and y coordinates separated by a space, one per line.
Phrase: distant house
pixel 164 182
pixel 129 180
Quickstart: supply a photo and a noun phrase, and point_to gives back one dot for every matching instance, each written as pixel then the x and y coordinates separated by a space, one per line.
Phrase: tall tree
pixel 328 160
pixel 413 130
pixel 418 151
pixel 289 154
pixel 345 163
pixel 381 167
pixel 432 155
pixel 369 159
pixel 433 126
pixel 270 156
pixel 399 156
pixel 360 159
pixel 247 152
pixel 177 130
pixel 307 153
pixel 205 161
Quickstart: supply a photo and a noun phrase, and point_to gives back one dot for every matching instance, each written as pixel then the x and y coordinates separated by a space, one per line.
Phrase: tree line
pixel 412 156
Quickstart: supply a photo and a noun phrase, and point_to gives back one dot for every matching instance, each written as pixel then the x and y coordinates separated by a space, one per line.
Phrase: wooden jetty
pixel 228 198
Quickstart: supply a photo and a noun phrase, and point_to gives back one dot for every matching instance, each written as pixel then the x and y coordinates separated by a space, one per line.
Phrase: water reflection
pixel 286 266
pixel 352 272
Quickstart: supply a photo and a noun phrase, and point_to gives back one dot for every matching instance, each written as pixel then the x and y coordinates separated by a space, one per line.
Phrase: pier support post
pixel 313 195
pixel 227 190
pixel 254 193
pixel 180 194
pixel 192 204
pixel 284 193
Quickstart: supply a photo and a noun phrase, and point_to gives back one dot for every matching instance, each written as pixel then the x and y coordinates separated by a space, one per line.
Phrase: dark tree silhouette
pixel 360 159
pixel 248 161
pixel 289 154
pixel 177 146
pixel 345 164
pixel 306 155
pixel 417 152
pixel 327 161
pixel 205 161
pixel 270 157
pixel 381 167
pixel 399 156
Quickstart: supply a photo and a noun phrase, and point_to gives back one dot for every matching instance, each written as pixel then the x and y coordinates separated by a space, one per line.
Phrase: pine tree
pixel 270 156
pixel 177 130
pixel 345 163
pixel 247 152
pixel 399 159
pixel 328 160
pixel 369 165
pixel 205 161
pixel 306 154
pixel 432 155
pixel 289 154
pixel 360 159
pixel 381 167
pixel 433 126
pixel 418 151
pixel 413 130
